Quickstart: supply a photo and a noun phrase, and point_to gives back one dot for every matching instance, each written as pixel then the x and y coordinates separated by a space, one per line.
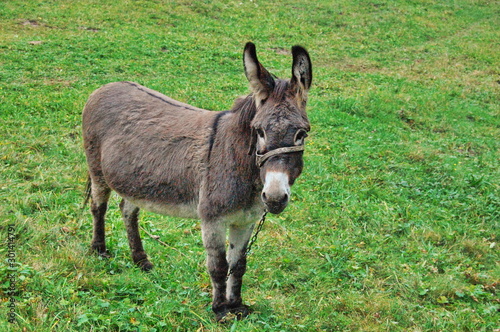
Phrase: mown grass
pixel 393 225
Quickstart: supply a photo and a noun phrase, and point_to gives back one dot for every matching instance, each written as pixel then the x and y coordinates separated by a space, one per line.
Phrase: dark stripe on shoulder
pixel 213 133
pixel 158 97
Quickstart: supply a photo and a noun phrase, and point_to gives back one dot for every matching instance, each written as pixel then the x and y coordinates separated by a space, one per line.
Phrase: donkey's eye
pixel 300 135
pixel 260 132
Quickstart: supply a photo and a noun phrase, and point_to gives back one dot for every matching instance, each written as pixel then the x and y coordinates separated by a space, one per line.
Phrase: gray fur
pixel 172 158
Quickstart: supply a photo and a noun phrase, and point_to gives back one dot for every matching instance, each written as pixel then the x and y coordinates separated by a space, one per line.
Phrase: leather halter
pixel 262 158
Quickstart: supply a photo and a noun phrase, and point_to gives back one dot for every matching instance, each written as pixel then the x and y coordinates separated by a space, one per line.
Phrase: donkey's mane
pixel 246 109
pixel 245 106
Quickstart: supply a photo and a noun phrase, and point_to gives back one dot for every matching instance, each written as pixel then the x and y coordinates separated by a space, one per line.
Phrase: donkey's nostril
pixel 284 200
pixel 264 197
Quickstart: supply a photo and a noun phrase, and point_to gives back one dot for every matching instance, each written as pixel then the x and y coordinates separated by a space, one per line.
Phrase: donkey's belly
pixel 184 210
pixel 190 210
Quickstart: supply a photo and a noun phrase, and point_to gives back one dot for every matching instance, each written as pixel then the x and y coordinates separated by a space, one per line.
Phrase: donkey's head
pixel 280 124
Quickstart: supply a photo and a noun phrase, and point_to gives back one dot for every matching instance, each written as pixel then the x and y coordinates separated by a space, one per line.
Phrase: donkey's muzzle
pixel 276 204
pixel 276 192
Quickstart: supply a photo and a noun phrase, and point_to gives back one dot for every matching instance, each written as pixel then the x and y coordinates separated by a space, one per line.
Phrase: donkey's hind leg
pixel 99 205
pixel 130 215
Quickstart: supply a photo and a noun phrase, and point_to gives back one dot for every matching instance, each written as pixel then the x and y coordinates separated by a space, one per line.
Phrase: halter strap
pixel 262 158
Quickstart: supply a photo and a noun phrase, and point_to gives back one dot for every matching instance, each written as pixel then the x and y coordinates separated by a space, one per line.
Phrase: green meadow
pixel 393 226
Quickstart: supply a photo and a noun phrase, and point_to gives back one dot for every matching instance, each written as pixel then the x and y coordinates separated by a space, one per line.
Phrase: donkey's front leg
pixel 214 238
pixel 238 242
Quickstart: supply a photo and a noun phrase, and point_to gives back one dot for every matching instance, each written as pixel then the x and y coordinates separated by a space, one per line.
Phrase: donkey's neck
pixel 231 179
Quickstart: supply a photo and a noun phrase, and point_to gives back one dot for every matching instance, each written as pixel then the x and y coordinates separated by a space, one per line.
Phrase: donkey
pixel 226 168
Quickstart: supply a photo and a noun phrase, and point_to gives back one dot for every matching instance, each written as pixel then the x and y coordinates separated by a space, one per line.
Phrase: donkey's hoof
pixel 240 312
pixel 104 254
pixel 230 314
pixel 101 251
pixel 145 265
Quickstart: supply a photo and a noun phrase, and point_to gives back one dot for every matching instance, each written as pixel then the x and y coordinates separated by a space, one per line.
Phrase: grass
pixel 394 225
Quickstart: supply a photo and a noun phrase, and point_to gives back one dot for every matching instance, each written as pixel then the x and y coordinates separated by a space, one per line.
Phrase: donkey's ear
pixel 261 81
pixel 301 72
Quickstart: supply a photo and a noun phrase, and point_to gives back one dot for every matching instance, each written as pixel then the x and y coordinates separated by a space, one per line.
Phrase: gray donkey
pixel 225 168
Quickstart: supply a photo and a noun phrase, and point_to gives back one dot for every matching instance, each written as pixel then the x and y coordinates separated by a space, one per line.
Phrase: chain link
pixel 252 240
pixel 254 237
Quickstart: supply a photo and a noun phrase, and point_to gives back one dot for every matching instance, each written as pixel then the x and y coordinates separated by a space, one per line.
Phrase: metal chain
pixel 252 240
pixel 254 237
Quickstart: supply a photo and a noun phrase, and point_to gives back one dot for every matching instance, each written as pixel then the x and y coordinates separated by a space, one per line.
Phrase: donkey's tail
pixel 88 191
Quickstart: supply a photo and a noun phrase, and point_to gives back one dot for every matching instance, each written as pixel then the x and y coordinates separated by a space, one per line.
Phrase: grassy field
pixel 393 226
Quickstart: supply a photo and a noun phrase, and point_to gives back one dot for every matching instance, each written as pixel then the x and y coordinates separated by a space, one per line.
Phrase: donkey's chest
pixel 246 216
